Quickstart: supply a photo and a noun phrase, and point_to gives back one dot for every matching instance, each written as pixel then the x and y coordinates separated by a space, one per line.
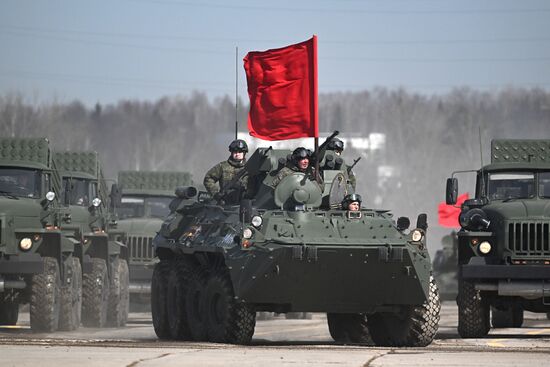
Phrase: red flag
pixel 282 86
pixel 448 214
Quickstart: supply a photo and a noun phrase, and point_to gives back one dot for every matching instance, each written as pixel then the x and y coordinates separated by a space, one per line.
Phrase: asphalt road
pixel 277 342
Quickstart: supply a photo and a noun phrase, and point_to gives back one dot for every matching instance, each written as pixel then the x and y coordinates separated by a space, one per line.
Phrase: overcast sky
pixel 103 51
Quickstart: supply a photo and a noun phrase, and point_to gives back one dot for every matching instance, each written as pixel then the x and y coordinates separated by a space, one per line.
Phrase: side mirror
pixel 451 193
pixel 422 221
pixel 116 196
pixel 403 223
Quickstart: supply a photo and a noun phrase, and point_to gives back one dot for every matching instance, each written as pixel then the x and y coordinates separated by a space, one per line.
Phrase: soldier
pixel 352 202
pixel 337 146
pixel 223 172
pixel 300 162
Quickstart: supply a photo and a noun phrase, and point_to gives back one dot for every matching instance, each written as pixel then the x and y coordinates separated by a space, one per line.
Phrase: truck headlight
pixel 96 202
pixel 416 235
pixel 257 221
pixel 247 233
pixel 25 244
pixel 484 247
pixel 50 195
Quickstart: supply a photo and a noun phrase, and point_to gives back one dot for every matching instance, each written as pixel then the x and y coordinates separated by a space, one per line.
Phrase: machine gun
pixel 355 161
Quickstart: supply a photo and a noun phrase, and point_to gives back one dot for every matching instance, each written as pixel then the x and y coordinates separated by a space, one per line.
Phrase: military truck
pixel 292 249
pixel 503 244
pixel 445 268
pixel 105 288
pixel 146 196
pixel 39 262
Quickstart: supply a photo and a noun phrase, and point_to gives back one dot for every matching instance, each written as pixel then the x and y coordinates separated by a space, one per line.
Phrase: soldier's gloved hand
pixel 218 196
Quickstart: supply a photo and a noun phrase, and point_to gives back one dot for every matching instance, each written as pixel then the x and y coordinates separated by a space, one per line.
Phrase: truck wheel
pixel 71 298
pixel 9 307
pixel 158 299
pixel 119 298
pixel 228 321
pixel 195 299
pixel 511 317
pixel 46 297
pixel 349 328
pixel 415 326
pixel 473 311
pixel 177 287
pixel 95 295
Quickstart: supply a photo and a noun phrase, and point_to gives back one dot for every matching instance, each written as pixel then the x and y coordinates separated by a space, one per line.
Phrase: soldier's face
pixel 354 206
pixel 303 163
pixel 237 156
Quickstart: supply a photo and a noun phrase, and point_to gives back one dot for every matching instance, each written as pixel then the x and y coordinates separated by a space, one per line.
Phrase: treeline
pixel 427 136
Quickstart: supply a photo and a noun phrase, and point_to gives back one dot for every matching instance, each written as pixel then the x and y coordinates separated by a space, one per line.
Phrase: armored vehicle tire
pixel 71 298
pixel 415 326
pixel 348 328
pixel 158 299
pixel 511 317
pixel 95 295
pixel 119 296
pixel 228 321
pixel 176 290
pixel 9 307
pixel 195 300
pixel 46 297
pixel 473 311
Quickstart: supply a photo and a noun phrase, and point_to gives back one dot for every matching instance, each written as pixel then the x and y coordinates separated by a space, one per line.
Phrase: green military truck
pixel 504 241
pixel 105 289
pixel 145 199
pixel 39 262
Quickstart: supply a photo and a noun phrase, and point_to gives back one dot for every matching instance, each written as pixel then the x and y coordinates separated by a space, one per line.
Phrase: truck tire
pixel 95 295
pixel 9 307
pixel 71 298
pixel 177 287
pixel 473 311
pixel 349 328
pixel 228 321
pixel 46 297
pixel 511 317
pixel 158 299
pixel 195 300
pixel 119 296
pixel 415 326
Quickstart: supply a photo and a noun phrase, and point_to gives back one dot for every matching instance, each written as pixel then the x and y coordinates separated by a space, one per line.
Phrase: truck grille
pixel 141 248
pixel 529 239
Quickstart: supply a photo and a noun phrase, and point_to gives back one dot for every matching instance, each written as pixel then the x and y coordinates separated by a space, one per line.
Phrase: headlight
pixel 416 235
pixel 247 233
pixel 50 195
pixel 25 244
pixel 96 202
pixel 484 247
pixel 256 221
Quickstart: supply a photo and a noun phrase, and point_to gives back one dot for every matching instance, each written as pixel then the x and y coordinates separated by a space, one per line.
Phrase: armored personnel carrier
pixel 145 203
pixel 39 262
pixel 105 282
pixel 503 246
pixel 292 249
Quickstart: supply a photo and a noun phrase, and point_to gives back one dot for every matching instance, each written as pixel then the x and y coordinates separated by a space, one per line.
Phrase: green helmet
pixel 335 144
pixel 350 198
pixel 238 145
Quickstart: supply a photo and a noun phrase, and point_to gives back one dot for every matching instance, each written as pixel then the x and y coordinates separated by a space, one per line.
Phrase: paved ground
pixel 276 342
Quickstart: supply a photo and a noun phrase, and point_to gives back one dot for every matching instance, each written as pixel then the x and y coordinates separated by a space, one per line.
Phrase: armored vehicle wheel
pixel 511 317
pixel 119 296
pixel 9 307
pixel 473 311
pixel 71 298
pixel 158 299
pixel 414 326
pixel 349 328
pixel 195 300
pixel 228 321
pixel 95 295
pixel 46 297
pixel 177 287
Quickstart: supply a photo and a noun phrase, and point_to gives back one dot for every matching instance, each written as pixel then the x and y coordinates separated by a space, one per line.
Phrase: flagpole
pixel 236 92
pixel 315 110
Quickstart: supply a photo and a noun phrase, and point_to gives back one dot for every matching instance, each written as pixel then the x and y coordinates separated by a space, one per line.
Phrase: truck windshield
pixel 544 185
pixel 507 186
pixel 20 182
pixel 77 191
pixel 144 206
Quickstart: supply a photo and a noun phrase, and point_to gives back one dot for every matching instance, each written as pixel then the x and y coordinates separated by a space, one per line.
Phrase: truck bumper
pixel 471 271
pixel 22 264
pixel 140 278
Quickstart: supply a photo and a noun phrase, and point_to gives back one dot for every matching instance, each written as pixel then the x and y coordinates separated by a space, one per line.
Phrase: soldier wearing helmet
pixel 219 176
pixel 300 161
pixel 337 146
pixel 352 202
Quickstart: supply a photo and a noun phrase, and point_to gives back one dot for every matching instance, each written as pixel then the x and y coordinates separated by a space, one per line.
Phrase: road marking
pixel 13 327
pixel 496 343
pixel 537 332
pixel 284 331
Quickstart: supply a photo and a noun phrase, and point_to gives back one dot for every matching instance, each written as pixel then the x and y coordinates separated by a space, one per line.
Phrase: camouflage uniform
pixel 222 174
pixel 351 177
pixel 286 171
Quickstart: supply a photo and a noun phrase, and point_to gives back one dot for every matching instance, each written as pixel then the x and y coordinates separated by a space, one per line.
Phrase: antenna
pixel 236 91
pixel 481 158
